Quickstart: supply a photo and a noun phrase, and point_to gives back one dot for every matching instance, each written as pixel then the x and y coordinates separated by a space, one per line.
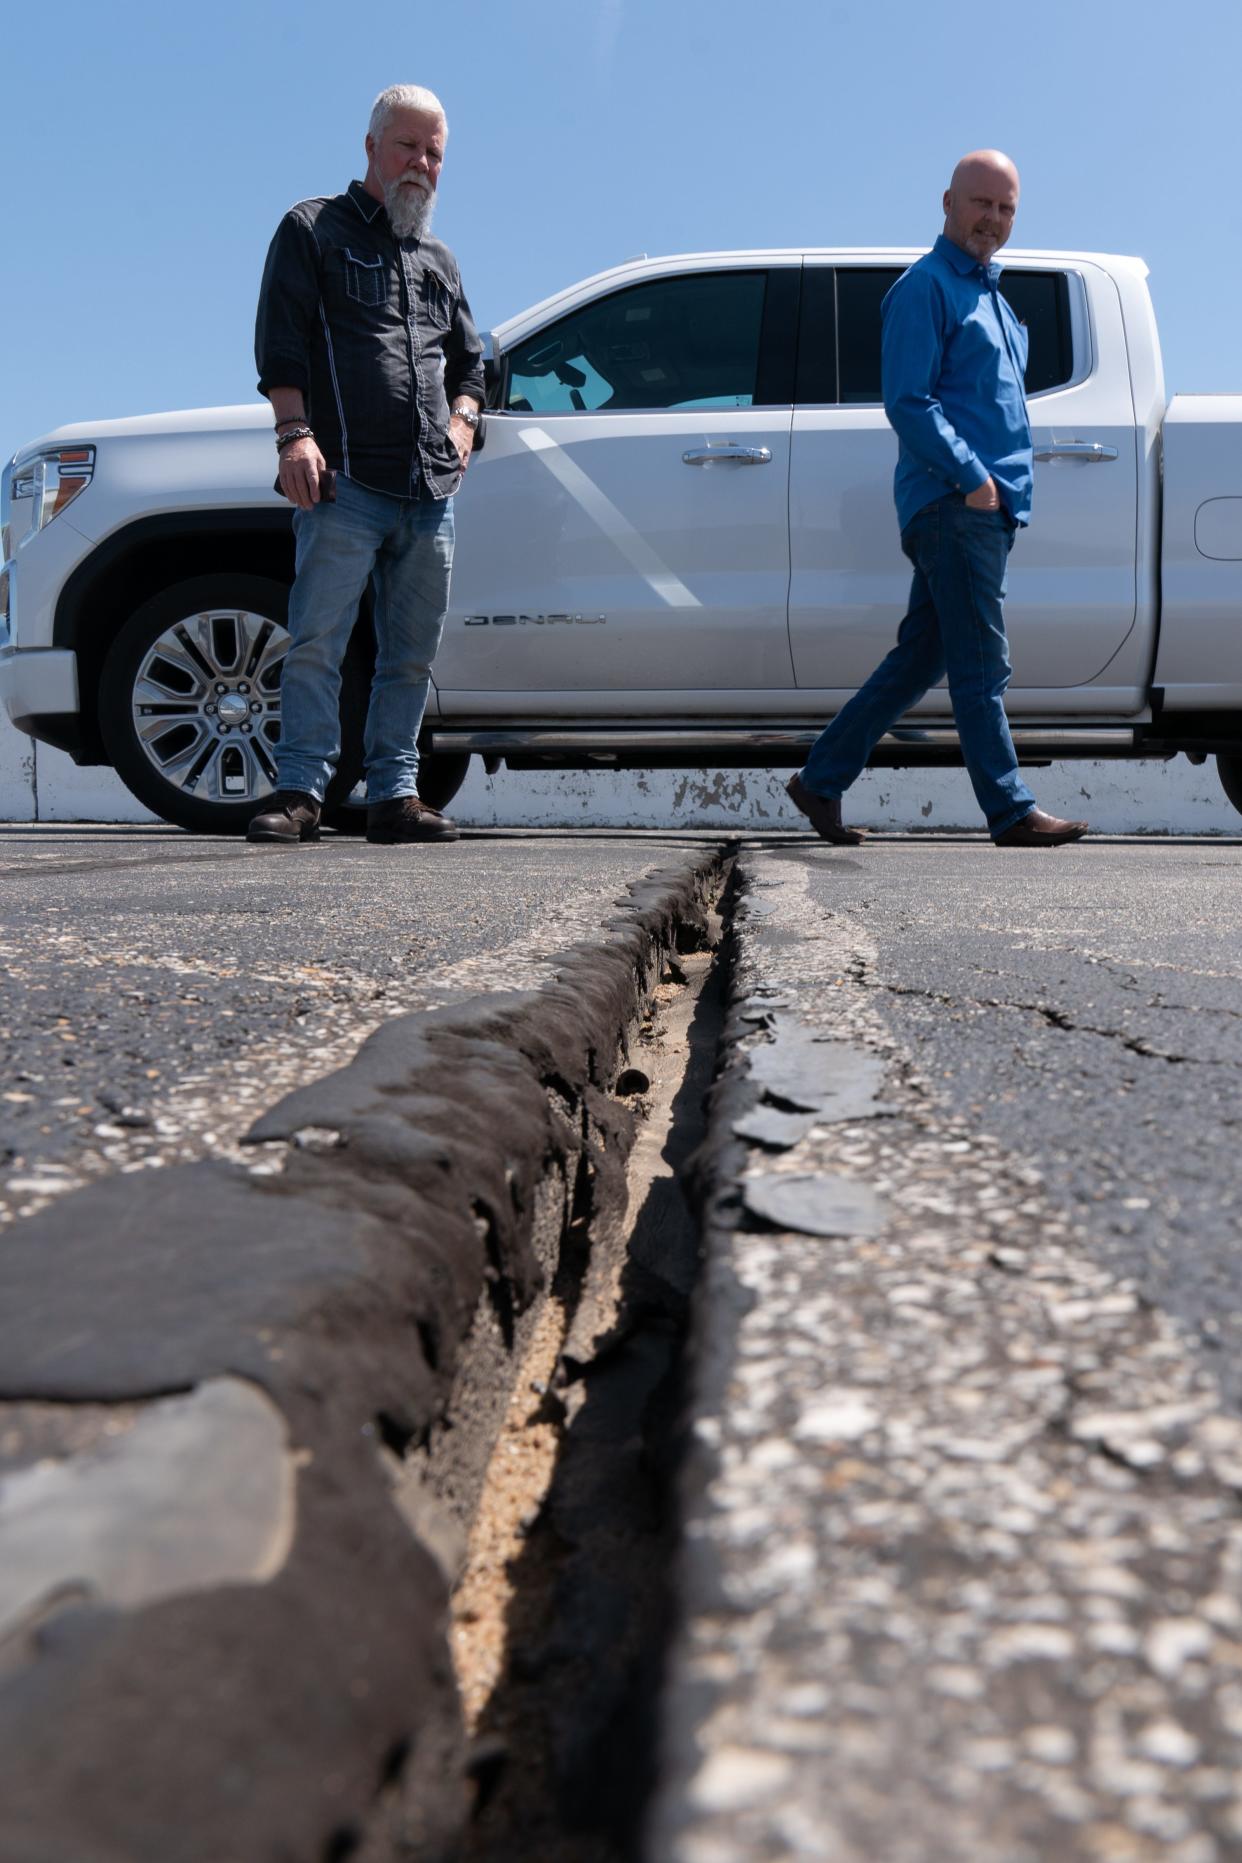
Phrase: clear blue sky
pixel 151 148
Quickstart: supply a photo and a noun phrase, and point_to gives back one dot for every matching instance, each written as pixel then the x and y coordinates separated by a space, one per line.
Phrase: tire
pixel 204 641
pixel 440 776
pixel 1229 770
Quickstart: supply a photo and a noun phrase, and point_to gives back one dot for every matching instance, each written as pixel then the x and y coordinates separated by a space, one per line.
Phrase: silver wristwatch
pixel 469 415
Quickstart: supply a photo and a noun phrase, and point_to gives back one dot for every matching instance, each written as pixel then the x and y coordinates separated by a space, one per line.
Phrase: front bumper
pixel 38 682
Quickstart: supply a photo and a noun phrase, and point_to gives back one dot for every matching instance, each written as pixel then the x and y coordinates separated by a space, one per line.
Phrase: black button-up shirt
pixel 377 334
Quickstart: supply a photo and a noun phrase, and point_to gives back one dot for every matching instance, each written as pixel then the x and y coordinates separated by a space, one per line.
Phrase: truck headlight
pixel 53 479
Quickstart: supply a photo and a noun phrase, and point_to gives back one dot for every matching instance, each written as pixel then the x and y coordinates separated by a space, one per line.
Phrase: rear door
pixel 624 533
pixel 1072 574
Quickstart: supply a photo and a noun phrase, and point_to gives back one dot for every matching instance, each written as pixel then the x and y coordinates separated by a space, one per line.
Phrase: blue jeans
pixel 404 548
pixel 955 624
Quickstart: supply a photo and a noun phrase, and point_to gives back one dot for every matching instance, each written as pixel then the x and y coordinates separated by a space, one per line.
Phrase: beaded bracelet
pixel 295 433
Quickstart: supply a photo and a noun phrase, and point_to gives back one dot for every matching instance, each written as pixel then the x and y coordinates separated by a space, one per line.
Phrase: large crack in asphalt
pixel 562 1613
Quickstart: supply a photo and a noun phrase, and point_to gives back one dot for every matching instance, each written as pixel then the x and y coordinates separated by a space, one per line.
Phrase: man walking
pixel 366 350
pixel 954 357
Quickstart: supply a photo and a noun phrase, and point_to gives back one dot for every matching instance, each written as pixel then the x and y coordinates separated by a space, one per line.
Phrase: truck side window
pixel 1040 300
pixel 860 293
pixel 690 342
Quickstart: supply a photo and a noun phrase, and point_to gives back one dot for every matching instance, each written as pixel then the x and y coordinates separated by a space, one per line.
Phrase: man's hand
pixel 985 497
pixel 302 466
pixel 461 433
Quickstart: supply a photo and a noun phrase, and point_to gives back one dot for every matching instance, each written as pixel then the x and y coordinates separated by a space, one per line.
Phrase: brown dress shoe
pixel 406 818
pixel 1040 830
pixel 823 813
pixel 293 817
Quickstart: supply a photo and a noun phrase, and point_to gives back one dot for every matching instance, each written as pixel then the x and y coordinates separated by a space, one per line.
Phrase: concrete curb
pixel 247 1414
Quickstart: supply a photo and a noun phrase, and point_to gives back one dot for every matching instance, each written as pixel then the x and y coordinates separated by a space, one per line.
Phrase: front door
pixel 1072 573
pixel 625 529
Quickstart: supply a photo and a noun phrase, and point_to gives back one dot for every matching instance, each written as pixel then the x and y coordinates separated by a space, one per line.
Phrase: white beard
pixel 409 208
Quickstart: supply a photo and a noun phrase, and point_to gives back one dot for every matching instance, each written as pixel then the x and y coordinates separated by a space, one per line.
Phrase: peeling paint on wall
pixel 17 776
pixel 1119 798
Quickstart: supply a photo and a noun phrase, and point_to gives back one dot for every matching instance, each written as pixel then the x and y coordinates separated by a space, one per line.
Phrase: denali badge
pixel 533 620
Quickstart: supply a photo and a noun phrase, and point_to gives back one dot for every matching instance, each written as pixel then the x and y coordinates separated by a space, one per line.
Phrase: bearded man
pixel 953 362
pixel 366 349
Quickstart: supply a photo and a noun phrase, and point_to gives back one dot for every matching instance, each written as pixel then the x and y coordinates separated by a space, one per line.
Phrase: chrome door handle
pixel 1078 449
pixel 744 455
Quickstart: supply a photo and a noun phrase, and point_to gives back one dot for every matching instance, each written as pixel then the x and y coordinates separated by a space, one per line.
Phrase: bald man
pixel 954 358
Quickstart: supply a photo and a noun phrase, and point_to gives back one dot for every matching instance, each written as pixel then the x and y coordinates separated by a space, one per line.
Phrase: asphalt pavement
pixel 248 1395
pixel 1084 1008
pixel 961 1529
pixel 160 990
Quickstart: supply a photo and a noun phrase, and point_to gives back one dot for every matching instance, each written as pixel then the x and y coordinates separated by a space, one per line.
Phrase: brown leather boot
pixel 823 813
pixel 1040 830
pixel 292 817
pixel 406 818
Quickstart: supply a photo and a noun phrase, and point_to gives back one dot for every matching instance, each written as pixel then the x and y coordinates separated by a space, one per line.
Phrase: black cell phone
pixel 327 486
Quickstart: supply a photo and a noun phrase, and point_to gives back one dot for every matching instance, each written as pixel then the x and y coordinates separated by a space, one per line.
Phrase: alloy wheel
pixel 206 704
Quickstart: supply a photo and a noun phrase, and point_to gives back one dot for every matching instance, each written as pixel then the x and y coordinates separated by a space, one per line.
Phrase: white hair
pixel 403 97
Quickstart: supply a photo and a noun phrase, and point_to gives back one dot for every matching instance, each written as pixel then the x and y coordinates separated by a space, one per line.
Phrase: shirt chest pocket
pixel 366 277
pixel 979 346
pixel 437 300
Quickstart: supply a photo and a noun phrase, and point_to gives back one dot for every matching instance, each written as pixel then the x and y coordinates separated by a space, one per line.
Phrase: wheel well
pixel 136 563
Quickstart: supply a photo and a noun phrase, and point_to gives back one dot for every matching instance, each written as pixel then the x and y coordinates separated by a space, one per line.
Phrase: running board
pixel 646 746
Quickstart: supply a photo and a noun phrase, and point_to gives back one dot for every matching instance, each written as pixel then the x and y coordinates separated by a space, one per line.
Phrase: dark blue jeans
pixel 404 548
pixel 955 624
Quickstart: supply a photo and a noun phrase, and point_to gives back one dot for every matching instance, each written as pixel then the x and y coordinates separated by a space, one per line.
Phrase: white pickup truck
pixel 677 547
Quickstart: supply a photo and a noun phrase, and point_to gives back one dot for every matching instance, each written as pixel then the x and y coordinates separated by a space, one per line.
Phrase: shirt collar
pixel 963 262
pixel 366 203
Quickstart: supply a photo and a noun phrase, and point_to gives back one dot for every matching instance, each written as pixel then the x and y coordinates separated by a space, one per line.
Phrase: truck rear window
pixel 1040 300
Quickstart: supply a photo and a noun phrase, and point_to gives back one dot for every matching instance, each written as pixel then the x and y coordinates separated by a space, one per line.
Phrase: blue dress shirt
pixel 953 361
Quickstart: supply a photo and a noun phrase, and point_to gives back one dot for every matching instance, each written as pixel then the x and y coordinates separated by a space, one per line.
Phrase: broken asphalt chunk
pixel 816 1203
pixel 766 1125
pixel 831 1078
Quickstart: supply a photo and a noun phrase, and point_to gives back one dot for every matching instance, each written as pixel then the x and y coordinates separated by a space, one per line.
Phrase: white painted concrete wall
pixel 1116 798
pixel 38 784
pixel 18 796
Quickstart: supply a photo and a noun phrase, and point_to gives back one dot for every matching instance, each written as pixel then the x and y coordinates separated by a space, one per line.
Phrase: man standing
pixel 954 357
pixel 366 350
